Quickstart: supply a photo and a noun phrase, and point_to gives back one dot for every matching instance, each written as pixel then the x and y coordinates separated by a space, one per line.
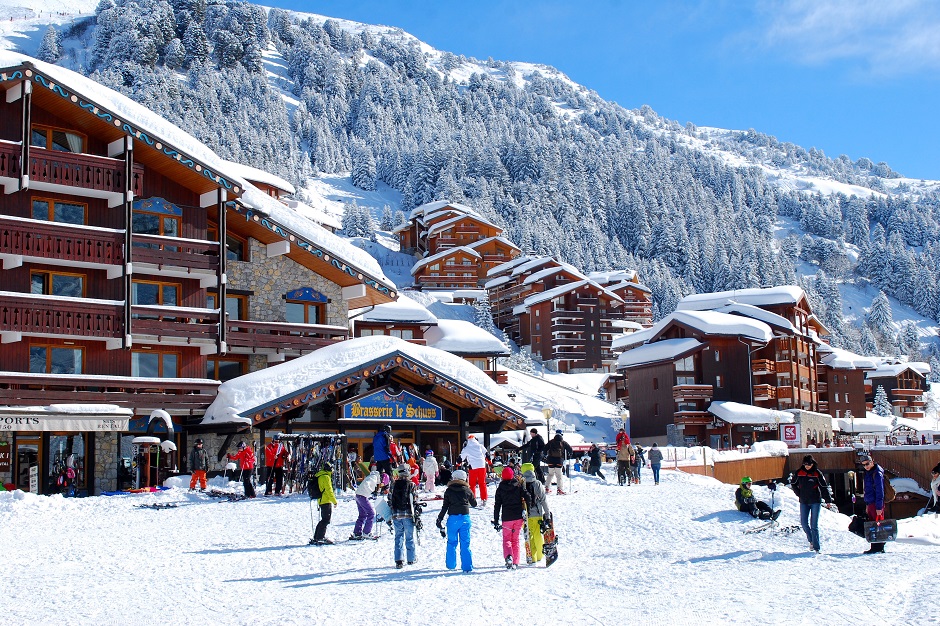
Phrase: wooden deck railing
pixel 81 171
pixel 49 315
pixel 282 335
pixel 63 242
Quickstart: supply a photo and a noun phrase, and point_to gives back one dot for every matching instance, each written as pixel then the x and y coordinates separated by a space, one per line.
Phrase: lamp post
pixel 547 414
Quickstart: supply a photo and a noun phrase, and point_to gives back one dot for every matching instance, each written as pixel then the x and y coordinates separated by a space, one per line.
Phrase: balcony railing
pixel 569 355
pixel 9 160
pixel 763 366
pixel 500 377
pixel 49 315
pixel 60 243
pixel 765 392
pixel 192 254
pixel 692 392
pixel 183 395
pixel 81 171
pixel 567 314
pixel 447 280
pixel 283 336
pixel 165 322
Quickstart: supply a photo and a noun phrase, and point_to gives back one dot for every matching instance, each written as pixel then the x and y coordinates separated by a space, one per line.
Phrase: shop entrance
pixel 67 463
pixel 444 444
pixel 28 470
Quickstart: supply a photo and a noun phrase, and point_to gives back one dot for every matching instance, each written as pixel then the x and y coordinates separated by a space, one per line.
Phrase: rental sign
pixel 382 405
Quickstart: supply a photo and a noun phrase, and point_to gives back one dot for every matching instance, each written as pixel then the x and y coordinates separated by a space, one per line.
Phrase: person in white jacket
pixel 475 454
pixel 430 471
pixel 366 517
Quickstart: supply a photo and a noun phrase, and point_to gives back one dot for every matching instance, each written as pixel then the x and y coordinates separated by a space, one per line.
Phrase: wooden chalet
pixel 451 268
pixel 904 384
pixel 841 385
pixel 404 318
pixel 139 272
pixel 471 343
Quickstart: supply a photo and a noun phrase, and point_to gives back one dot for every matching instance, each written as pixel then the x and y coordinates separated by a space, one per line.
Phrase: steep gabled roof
pixel 659 351
pixel 464 338
pixel 719 324
pixel 254 175
pixel 783 295
pixel 443 254
pixel 836 358
pixel 403 310
pixel 440 226
pixel 561 290
pixel 437 205
pixel 500 239
pixel 543 274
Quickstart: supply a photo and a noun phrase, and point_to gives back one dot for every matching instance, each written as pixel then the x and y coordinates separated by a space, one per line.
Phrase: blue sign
pixel 382 405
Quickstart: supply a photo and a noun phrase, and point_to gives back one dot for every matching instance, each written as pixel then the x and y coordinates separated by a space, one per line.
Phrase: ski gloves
pixel 440 526
pixel 497 525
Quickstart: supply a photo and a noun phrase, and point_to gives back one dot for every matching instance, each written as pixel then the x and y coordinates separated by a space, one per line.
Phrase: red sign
pixel 4 456
pixel 790 433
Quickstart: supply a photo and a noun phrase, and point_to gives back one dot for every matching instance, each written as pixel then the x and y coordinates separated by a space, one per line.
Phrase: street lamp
pixel 547 414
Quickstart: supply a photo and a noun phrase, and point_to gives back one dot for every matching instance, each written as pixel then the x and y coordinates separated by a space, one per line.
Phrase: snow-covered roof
pixel 607 277
pixel 240 396
pixel 77 410
pixel 786 294
pixel 884 370
pixel 531 263
pixel 737 413
pixel 444 254
pixel 666 350
pixel 253 174
pixel 508 265
pixel 462 337
pixel 631 325
pixel 437 205
pixel 312 213
pixel 467 294
pixel 436 228
pixel 496 282
pixel 838 358
pixel 150 125
pixel 563 289
pixel 714 323
pixel 629 340
pixel 873 423
pixel 749 310
pixel 480 242
pixel 628 285
pixel 403 310
pixel 542 274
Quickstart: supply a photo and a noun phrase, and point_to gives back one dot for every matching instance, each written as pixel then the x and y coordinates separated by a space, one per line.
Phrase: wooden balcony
pixel 763 366
pixel 178 396
pixel 693 418
pixel 172 324
pixel 907 393
pixel 559 327
pixel 81 174
pixel 50 316
pixel 567 314
pixel 447 281
pixel 784 392
pixel 500 377
pixel 913 415
pixel 822 387
pixel 10 165
pixel 692 392
pixel 251 336
pixel 174 256
pixel 569 355
pixel 581 301
pixel 59 244
pixel 765 392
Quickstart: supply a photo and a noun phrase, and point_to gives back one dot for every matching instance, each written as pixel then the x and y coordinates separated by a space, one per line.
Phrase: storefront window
pixel 66 463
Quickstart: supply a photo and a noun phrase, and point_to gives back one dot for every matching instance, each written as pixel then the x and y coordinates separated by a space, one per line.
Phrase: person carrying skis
pixel 246 462
pixel 655 456
pixel 458 498
pixel 198 465
pixel 401 501
pixel 326 502
pixel 475 455
pixel 874 497
pixel 275 456
pixel 430 471
pixel 513 500
pixel 532 452
pixel 382 449
pixel 538 510
pixel 558 452
pixel 364 491
pixel 594 465
pixel 747 502
pixel 810 487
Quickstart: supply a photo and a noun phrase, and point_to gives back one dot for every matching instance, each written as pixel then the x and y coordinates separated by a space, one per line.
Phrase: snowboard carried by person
pixel 550 540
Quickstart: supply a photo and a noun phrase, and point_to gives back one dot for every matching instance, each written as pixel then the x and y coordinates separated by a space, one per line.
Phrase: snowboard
pixel 550 542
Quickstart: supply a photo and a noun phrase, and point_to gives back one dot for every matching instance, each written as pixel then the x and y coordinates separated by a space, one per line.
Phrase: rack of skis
pixel 308 452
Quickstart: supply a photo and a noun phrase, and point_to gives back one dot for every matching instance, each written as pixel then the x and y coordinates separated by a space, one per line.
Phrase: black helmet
pixel 241 444
pixel 387 428
pixel 327 467
pixel 199 442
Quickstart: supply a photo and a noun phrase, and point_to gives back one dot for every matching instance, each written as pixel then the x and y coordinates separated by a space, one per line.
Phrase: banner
pixel 36 423
pixel 384 406
pixel 790 435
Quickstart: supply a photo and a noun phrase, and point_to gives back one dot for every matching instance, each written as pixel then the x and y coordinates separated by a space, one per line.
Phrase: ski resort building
pixel 139 271
pixel 904 385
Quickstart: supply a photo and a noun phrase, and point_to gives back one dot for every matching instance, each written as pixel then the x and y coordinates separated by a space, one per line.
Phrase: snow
pixel 893 369
pixel 838 358
pixel 319 216
pixel 460 337
pixel 402 310
pixel 671 553
pixel 786 294
pixel 665 350
pixel 446 253
pixel 714 323
pixel 737 413
pixel 253 174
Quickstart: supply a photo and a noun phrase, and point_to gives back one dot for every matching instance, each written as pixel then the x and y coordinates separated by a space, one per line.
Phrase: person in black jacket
pixel 532 452
pixel 457 502
pixel 594 467
pixel 514 501
pixel 811 488
pixel 402 503
pixel 558 452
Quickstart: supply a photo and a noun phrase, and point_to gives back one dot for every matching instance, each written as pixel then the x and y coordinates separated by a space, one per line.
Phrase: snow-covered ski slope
pixel 669 554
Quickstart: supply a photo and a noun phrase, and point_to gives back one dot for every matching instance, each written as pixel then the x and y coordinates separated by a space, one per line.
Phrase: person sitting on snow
pixel 746 502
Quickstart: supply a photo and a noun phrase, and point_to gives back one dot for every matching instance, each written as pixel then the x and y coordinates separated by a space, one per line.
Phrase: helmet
pixel 199 442
pixel 327 467
pixel 241 444
pixel 429 453
pixel 387 428
pixel 404 468
pixel 276 436
pixel 746 479
pixel 385 478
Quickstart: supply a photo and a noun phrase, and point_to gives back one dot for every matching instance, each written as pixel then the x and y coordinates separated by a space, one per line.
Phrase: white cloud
pixel 888 37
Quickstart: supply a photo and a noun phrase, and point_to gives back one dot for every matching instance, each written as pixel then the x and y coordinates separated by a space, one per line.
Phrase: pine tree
pixel 881 406
pixel 484 313
pixel 196 44
pixel 880 319
pixel 935 369
pixel 49 50
pixel 388 221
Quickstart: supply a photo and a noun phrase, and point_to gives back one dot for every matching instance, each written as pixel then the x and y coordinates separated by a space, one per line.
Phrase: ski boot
pixel 399 564
pixel 509 562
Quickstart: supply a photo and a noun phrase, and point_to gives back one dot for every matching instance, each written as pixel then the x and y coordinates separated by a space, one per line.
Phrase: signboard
pixel 5 458
pixel 37 423
pixel 384 406
pixel 790 435
pixel 34 479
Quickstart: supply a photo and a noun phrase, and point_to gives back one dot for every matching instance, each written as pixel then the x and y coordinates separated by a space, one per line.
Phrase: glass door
pixel 27 471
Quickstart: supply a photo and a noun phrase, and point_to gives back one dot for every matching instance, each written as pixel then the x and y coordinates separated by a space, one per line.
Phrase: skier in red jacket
pixel 246 461
pixel 275 455
pixel 622 438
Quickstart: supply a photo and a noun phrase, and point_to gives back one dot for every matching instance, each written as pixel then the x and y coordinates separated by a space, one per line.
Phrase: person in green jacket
pixel 326 502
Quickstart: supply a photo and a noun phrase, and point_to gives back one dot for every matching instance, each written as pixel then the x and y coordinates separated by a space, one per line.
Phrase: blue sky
pixel 855 77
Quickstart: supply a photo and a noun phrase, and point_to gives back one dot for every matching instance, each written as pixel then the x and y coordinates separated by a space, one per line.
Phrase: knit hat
pixel 529 476
pixel 429 453
pixel 809 459
pixel 241 444
pixel 861 458
pixel 470 437
pixel 404 468
pixel 558 432
pixel 459 475
pixel 526 467
pixel 508 474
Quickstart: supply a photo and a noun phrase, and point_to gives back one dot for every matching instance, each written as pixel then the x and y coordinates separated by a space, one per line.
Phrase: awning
pixel 65 417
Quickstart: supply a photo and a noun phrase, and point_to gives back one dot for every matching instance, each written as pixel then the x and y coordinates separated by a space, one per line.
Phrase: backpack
pixel 313 488
pixel 889 490
pixel 401 495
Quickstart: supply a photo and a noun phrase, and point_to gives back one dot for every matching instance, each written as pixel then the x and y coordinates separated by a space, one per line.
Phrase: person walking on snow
pixel 198 465
pixel 366 517
pixel 513 500
pixel 275 455
pixel 623 439
pixel 457 502
pixel 532 452
pixel 327 501
pixel 811 488
pixel 933 504
pixel 475 455
pixel 594 467
pixel 401 501
pixel 246 462
pixel 558 452
pixel 538 510
pixel 874 497
pixel 430 471
pixel 624 471
pixel 638 462
pixel 655 456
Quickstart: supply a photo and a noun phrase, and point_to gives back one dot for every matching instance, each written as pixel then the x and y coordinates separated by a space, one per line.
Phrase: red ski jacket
pixel 275 454
pixel 245 458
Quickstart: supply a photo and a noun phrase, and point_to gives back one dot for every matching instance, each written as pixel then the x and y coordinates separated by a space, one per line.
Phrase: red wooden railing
pixel 173 251
pixel 282 335
pixel 82 171
pixel 49 315
pixel 53 240
pixel 9 159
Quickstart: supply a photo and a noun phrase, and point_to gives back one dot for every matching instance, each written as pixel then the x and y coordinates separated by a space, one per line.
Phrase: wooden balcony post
pixel 128 148
pixel 26 133
pixel 223 255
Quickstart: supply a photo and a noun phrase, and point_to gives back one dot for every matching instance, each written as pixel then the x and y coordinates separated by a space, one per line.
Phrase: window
pixel 835 379
pixel 225 369
pixel 655 383
pixel 155 293
pixel 479 363
pixel 55 359
pixel 656 409
pixel 236 307
pixel 402 334
pixel 846 397
pixel 305 312
pixel 56 139
pixel 236 248
pixel 717 356
pixel 148 364
pixel 147 223
pixel 685 380
pixel 838 414
pixel 837 397
pixel 719 383
pixel 56 211
pixel 685 365
pixel 435 267
pixel 845 379
pixel 56 284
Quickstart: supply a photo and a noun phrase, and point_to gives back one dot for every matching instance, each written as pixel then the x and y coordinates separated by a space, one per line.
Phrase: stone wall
pixel 107 453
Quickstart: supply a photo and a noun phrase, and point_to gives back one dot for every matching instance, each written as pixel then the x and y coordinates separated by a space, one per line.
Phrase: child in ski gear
pixel 513 499
pixel 382 450
pixel 623 439
pixel 444 475
pixel 366 517
pixel 746 502
pixel 198 465
pixel 327 501
pixel 538 510
pixel 624 471
pixel 246 460
pixel 655 457
pixel 475 455
pixel 874 497
pixel 458 498
pixel 594 466
pixel 638 462
pixel 811 488
pixel 414 472
pixel 402 503
pixel 430 471
pixel 533 451
pixel 558 452
pixel 275 455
